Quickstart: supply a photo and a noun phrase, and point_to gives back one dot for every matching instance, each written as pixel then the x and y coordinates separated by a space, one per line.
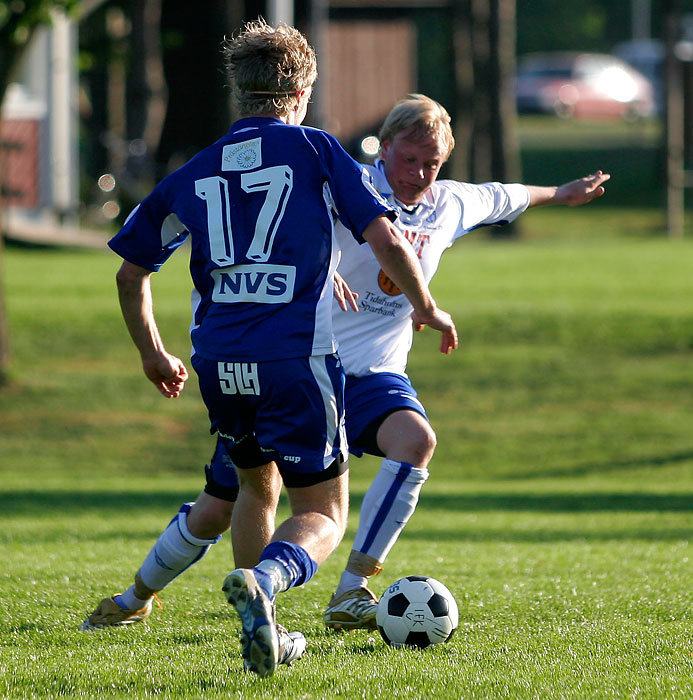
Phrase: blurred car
pixel 582 85
pixel 646 56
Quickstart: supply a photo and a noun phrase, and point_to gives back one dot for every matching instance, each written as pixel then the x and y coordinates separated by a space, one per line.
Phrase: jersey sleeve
pixel 486 204
pixel 151 233
pixel 354 196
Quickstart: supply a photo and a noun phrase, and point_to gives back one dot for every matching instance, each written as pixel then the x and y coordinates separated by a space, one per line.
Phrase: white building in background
pixel 39 120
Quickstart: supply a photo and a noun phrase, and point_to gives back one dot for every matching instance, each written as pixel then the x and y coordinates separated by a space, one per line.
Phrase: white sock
pixel 278 574
pixel 389 503
pixel 174 551
pixel 350 582
pixel 129 601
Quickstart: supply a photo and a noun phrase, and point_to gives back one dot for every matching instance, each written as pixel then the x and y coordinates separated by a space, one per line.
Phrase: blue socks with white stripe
pixel 282 566
pixel 389 503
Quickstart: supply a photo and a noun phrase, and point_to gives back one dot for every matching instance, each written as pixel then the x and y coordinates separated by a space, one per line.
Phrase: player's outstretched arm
pixel 400 264
pixel 572 194
pixel 165 371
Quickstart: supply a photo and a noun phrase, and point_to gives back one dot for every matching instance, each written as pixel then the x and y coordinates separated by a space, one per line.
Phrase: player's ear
pixel 385 147
pixel 302 96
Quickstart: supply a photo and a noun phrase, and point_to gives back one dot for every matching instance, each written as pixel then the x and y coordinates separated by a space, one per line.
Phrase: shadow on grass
pixel 539 535
pixel 51 502
pixel 604 467
pixel 561 502
pixel 37 503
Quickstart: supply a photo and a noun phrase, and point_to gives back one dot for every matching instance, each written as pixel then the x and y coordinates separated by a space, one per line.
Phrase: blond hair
pixel 267 66
pixel 423 116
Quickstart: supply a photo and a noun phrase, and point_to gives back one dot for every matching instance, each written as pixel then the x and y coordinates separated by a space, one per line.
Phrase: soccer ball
pixel 417 611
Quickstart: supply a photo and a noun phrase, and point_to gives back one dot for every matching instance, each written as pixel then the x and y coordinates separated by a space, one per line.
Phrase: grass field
pixel 559 508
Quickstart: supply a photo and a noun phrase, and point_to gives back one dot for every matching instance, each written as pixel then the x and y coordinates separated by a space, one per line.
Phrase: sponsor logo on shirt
pixel 377 304
pixel 418 240
pixel 387 285
pixel 418 243
pixel 242 156
pixel 258 283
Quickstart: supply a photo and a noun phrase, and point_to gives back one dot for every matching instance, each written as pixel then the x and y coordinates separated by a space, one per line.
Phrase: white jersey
pixel 378 338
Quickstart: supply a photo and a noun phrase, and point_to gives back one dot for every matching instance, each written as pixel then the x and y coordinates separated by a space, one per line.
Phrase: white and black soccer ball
pixel 417 611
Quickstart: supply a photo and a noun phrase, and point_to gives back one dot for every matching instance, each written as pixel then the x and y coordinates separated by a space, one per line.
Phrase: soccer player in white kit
pixel 384 417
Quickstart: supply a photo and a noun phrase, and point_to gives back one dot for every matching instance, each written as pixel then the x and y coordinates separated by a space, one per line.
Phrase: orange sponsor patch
pixel 387 285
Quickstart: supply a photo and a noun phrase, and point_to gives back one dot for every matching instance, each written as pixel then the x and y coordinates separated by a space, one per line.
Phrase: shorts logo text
pixel 239 378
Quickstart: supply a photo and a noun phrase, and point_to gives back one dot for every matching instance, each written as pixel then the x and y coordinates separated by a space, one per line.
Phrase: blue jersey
pixel 259 206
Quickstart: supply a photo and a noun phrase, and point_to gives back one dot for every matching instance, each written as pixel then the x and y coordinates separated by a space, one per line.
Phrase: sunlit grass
pixel 558 509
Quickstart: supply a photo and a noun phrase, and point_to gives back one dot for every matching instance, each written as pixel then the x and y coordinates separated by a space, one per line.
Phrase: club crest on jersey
pixel 258 283
pixel 246 155
pixel 387 285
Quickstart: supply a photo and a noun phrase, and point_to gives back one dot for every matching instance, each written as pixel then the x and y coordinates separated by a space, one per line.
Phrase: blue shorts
pixel 222 477
pixel 369 401
pixel 287 411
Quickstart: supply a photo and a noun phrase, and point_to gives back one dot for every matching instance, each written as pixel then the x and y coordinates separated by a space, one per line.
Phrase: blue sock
pixel 297 562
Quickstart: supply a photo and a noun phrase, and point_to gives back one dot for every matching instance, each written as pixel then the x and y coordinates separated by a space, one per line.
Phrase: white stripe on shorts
pixel 332 418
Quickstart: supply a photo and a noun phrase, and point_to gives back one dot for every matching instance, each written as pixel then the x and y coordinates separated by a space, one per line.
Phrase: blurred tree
pixel 462 115
pixel 485 115
pixel 553 26
pixel 198 100
pixel 590 25
pixel 147 90
pixel 154 76
pixel 18 21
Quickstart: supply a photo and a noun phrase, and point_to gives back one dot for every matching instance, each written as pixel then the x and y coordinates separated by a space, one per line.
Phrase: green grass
pixel 558 509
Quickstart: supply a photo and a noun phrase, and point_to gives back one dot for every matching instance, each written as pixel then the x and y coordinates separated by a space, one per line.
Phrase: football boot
pixel 259 638
pixel 352 610
pixel 110 614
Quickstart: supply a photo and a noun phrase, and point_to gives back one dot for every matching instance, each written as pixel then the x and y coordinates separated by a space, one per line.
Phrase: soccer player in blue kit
pixel 260 207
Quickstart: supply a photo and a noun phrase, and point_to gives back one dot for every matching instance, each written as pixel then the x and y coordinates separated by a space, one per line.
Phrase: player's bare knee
pixel 209 517
pixel 428 443
pixel 420 446
pixel 406 436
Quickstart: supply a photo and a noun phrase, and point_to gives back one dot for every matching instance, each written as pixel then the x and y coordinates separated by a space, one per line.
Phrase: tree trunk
pixel 506 155
pixel 674 122
pixel 485 121
pixel 485 87
pixel 495 151
pixel 198 99
pixel 147 93
pixel 462 118
pixel 4 333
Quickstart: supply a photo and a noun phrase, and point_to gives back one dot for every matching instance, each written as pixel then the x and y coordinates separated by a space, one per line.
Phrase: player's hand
pixel 582 191
pixel 167 373
pixel 441 321
pixel 343 294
